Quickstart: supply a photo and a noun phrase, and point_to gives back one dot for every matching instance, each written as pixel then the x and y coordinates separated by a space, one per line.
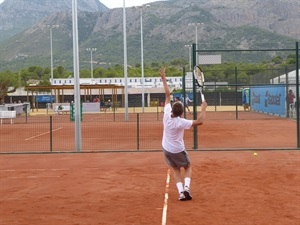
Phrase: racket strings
pixel 199 76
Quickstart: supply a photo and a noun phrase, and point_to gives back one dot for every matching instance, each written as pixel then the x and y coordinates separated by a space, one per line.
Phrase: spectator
pixel 108 105
pixel 187 101
pixel 96 99
pixel 290 99
pixel 177 99
pixel 172 98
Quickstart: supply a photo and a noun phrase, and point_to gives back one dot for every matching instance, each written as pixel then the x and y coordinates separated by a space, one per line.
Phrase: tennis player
pixel 173 145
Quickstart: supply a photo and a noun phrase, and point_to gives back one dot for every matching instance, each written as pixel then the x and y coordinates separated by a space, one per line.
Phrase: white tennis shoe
pixel 182 196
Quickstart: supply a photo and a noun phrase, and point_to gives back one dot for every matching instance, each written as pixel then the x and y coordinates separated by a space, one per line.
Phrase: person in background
pixel 96 99
pixel 108 105
pixel 172 98
pixel 290 99
pixel 177 100
pixel 2 101
pixel 187 101
pixel 173 145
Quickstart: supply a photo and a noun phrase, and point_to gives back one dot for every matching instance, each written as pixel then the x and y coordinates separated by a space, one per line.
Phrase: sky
pixel 119 3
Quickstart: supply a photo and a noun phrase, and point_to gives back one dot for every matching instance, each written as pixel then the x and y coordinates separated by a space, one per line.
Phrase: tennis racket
pixel 199 78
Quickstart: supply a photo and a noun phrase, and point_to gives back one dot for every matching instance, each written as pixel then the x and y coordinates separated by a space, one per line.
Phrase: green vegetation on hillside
pixel 225 72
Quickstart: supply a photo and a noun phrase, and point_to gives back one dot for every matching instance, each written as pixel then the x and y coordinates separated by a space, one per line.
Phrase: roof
pixel 71 87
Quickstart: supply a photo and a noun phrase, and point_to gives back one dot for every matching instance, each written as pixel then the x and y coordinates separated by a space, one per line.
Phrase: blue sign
pixel 180 96
pixel 45 99
pixel 177 95
pixel 268 99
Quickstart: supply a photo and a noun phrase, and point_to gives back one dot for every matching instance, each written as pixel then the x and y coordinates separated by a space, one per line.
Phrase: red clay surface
pixel 229 188
pixel 110 132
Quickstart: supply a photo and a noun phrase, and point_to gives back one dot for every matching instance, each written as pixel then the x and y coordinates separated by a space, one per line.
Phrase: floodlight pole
pixel 51 55
pixel 196 36
pixel 142 55
pixel 190 56
pixel 195 97
pixel 77 102
pixel 92 69
pixel 142 61
pixel 125 61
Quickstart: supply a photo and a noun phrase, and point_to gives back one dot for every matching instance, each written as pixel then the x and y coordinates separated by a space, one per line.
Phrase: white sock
pixel 179 187
pixel 187 182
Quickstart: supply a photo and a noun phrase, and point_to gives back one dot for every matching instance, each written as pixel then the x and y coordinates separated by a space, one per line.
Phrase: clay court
pixel 143 132
pixel 112 183
pixel 231 187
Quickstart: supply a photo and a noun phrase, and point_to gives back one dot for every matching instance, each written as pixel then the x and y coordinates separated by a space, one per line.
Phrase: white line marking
pixel 36 170
pixel 165 208
pixel 60 169
pixel 33 177
pixel 27 139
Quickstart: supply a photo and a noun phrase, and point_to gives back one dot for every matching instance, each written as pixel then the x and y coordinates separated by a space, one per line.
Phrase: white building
pixel 283 79
pixel 132 82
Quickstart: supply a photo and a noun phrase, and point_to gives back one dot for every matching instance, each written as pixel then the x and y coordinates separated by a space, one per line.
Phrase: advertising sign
pixel 268 99
pixel 45 99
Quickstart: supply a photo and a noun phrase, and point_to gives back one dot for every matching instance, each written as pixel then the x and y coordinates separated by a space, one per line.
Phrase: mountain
pixel 167 27
pixel 19 15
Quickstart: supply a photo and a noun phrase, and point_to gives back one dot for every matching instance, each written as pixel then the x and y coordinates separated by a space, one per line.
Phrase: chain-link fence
pixel 247 108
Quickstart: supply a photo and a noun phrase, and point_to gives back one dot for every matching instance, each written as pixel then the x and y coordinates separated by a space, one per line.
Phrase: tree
pixel 8 83
pixel 277 60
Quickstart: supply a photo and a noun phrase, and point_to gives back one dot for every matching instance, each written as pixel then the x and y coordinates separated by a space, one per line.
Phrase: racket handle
pixel 202 97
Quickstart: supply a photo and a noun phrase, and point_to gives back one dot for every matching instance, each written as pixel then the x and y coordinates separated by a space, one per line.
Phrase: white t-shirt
pixel 173 131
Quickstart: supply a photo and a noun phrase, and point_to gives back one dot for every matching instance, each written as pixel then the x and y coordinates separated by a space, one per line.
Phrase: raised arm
pixel 201 117
pixel 166 87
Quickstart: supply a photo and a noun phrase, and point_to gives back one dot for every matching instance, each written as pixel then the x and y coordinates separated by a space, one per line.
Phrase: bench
pixel 63 109
pixel 8 115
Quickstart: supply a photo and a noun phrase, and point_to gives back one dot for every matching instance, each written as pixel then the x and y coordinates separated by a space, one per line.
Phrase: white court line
pixel 36 170
pixel 33 177
pixel 165 208
pixel 42 134
pixel 63 169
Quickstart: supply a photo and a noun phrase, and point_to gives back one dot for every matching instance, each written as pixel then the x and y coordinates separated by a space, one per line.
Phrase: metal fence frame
pixel 196 51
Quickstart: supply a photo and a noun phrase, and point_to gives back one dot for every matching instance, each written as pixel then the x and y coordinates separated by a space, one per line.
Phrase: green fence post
pixel 183 92
pixel 51 137
pixel 297 94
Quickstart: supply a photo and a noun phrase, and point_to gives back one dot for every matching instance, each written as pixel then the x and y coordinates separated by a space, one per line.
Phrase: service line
pixel 27 139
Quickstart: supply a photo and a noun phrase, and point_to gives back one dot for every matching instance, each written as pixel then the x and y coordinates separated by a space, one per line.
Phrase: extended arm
pixel 166 87
pixel 201 117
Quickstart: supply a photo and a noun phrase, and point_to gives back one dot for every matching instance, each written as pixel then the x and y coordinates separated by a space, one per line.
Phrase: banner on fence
pixel 268 99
